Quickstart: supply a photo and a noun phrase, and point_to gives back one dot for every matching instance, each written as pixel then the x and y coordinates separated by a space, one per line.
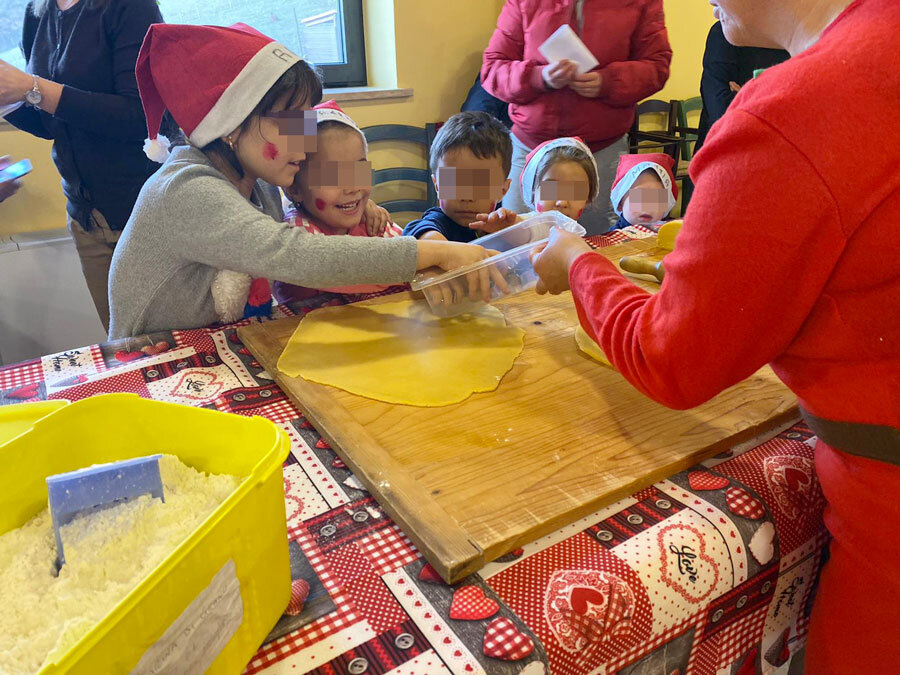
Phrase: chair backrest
pixel 683 109
pixel 402 132
pixel 664 140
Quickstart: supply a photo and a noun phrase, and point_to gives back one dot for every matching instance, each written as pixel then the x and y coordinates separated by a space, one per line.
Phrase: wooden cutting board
pixel 560 438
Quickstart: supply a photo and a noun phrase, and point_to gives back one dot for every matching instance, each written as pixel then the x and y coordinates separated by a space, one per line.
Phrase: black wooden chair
pixel 663 140
pixel 690 135
pixel 418 135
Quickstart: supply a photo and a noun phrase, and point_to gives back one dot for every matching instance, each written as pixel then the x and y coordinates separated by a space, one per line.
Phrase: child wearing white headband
pixel 559 175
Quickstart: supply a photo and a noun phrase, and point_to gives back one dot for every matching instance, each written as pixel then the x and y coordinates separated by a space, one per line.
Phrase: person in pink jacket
pixel 549 100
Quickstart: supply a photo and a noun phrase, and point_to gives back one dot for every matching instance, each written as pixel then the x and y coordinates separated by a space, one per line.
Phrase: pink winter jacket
pixel 628 38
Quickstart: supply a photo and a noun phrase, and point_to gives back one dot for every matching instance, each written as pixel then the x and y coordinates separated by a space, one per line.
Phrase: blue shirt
pixel 434 219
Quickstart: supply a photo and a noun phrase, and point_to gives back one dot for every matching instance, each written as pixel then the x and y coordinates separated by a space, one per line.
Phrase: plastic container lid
pixel 513 261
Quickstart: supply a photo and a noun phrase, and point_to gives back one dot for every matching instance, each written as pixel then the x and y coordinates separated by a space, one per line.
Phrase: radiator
pixel 45 306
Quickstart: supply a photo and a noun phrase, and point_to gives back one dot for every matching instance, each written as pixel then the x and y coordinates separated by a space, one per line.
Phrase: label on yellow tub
pixel 196 638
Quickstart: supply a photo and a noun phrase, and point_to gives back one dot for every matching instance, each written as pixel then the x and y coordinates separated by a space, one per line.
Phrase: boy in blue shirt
pixel 470 162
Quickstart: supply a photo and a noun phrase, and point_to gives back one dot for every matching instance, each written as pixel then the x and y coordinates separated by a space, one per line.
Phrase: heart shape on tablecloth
pixel 794 487
pixel 586 607
pixel 742 503
pixel 197 385
pixel 762 544
pixel 26 392
pixel 686 566
pixel 127 357
pixel 322 444
pixel 299 594
pixel 780 651
pixel 706 480
pixel 159 348
pixel 470 604
pixel 430 575
pixel 502 640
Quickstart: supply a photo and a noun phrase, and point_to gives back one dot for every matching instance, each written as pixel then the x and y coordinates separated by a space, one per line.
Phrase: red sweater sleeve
pixel 504 73
pixel 760 240
pixel 647 69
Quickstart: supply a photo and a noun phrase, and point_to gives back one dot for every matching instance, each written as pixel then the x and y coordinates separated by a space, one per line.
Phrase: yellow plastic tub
pixel 20 417
pixel 225 586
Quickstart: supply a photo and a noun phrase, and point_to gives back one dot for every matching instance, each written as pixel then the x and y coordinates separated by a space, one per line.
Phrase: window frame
pixel 353 72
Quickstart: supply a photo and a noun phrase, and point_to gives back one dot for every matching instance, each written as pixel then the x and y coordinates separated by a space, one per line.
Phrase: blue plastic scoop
pixel 99 487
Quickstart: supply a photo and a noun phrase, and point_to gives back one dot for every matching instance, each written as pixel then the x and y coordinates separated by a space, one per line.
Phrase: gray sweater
pixel 189 222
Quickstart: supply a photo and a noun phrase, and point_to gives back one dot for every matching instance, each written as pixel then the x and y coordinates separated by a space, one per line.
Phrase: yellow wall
pixel 438 51
pixel 688 22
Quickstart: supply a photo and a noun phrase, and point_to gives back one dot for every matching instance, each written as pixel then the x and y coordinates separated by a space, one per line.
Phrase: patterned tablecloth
pixel 710 571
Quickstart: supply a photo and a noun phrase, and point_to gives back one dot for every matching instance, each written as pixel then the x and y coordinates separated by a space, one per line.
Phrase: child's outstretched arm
pixel 494 221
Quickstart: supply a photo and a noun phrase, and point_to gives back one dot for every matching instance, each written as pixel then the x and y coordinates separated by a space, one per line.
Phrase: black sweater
pixel 724 63
pixel 98 129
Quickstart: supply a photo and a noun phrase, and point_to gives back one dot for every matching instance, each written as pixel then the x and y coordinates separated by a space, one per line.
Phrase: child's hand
pixel 494 221
pixel 376 219
pixel 552 260
pixel 453 255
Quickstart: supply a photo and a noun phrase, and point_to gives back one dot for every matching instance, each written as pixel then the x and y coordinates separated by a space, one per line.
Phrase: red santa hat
pixel 330 111
pixel 536 156
pixel 632 166
pixel 209 77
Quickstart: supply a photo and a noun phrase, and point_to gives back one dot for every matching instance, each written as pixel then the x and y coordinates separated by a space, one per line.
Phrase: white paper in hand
pixel 565 44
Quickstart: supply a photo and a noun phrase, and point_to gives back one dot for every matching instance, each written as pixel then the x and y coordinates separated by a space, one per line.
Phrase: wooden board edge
pixel 438 536
pixel 743 440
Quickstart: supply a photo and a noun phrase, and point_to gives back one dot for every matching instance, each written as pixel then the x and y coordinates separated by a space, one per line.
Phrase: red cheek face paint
pixel 270 151
pixel 320 204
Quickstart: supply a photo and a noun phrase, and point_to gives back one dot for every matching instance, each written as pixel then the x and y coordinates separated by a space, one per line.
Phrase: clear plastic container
pixel 447 293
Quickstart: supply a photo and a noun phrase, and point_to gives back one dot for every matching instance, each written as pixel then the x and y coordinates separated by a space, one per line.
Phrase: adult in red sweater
pixel 548 101
pixel 790 255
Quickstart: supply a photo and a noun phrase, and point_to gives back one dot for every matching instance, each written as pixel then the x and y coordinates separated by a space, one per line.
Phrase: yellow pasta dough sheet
pixel 400 352
pixel 589 347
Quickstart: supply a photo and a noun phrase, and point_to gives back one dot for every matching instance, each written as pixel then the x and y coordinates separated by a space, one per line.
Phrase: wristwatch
pixel 33 96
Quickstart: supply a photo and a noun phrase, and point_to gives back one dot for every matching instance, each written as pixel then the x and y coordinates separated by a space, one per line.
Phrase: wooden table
pixel 559 438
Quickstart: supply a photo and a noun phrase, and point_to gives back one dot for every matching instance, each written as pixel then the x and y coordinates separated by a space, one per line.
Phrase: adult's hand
pixel 14 83
pixel 557 75
pixel 7 187
pixel 553 260
pixel 587 85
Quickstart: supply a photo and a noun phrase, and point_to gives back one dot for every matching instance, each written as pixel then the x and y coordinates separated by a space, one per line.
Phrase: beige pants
pixel 95 248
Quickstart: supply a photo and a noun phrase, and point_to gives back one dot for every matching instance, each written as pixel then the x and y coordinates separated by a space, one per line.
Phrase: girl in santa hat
pixel 242 100
pixel 644 190
pixel 330 191
pixel 559 175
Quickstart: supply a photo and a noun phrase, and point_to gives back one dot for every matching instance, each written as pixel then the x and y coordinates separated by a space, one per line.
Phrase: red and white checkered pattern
pixel 616 237
pixel 503 640
pixel 388 549
pixel 742 503
pixel 20 375
pixel 649 645
pixel 345 614
pixel 736 639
